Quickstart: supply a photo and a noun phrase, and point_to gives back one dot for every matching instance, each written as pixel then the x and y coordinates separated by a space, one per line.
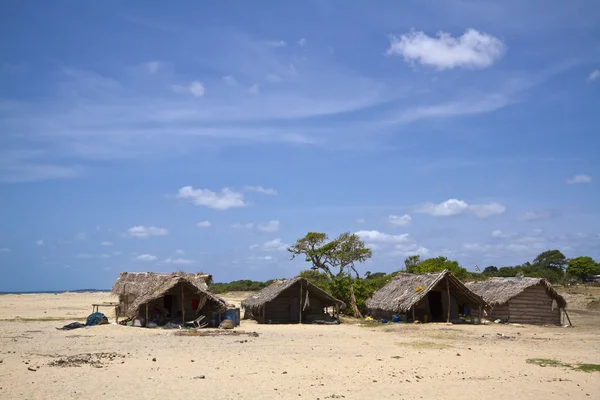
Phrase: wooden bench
pixel 115 305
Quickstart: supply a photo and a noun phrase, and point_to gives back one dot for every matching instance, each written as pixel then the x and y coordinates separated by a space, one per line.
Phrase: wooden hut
pixel 130 285
pixel 292 301
pixel 520 300
pixel 162 298
pixel 433 297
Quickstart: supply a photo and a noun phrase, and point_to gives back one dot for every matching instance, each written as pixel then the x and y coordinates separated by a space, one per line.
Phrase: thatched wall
pixel 282 301
pixel 407 290
pixel 130 285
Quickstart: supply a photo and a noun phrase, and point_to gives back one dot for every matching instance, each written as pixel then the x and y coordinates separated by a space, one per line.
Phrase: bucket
pixel 395 318
pixel 425 318
pixel 233 314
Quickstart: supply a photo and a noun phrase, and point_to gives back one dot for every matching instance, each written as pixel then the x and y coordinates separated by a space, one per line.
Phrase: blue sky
pixel 207 137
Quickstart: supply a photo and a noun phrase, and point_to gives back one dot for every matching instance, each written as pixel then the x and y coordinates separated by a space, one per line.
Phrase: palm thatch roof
pixel 271 292
pixel 153 286
pixel 138 283
pixel 402 292
pixel 496 291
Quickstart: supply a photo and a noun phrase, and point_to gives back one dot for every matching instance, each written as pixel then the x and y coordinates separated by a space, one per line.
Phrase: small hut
pixel 433 297
pixel 292 301
pixel 162 298
pixel 520 300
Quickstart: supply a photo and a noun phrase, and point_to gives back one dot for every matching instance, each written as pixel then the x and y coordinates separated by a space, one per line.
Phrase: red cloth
pixel 195 303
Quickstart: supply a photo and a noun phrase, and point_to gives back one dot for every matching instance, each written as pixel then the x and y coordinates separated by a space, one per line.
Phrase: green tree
pixel 551 259
pixel 581 267
pixel 411 263
pixel 438 264
pixel 334 258
pixel 491 270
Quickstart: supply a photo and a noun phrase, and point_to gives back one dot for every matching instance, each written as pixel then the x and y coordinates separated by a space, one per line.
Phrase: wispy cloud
pixel 143 232
pixel 452 207
pixel 195 88
pixel 271 245
pixel 223 200
pixel 380 237
pixel 271 226
pixel 5 250
pixel 146 257
pixel 537 215
pixel 180 261
pixel 302 42
pixel 579 179
pixel 396 220
pixel 106 243
pixel 595 74
pixel 152 67
pixel 40 242
pixel 260 189
pixel 230 80
pixel 203 224
pixel 275 43
pixel 473 49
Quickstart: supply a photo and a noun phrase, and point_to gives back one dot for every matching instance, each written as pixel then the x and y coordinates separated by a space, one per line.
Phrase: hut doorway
pixel 168 303
pixel 436 309
pixel 295 309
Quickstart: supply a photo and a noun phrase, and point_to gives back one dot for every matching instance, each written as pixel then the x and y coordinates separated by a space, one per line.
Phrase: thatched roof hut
pixel 520 299
pixel 428 297
pixel 291 300
pixel 137 288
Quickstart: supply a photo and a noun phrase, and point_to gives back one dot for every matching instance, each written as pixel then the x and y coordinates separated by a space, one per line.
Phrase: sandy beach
pixel 349 361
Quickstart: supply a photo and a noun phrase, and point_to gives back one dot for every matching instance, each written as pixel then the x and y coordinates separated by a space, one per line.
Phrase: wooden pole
pixel 300 317
pixel 413 312
pixel 182 305
pixel 146 315
pixel 567 315
pixel 448 291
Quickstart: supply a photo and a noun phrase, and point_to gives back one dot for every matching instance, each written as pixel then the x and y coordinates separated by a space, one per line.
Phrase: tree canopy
pixel 581 267
pixel 334 258
pixel 436 264
pixel 552 259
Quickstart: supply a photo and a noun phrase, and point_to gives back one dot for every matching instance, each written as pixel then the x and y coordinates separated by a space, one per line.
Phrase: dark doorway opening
pixel 435 305
pixel 168 303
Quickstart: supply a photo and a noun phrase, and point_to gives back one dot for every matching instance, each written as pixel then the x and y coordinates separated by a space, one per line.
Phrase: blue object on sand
pixel 395 318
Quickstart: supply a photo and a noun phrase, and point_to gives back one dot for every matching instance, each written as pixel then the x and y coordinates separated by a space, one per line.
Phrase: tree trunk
pixel 355 311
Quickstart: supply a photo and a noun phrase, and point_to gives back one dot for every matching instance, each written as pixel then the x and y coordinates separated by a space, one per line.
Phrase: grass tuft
pixel 543 362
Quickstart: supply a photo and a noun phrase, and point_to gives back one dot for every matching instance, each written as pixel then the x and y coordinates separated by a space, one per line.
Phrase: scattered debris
pixel 31 369
pixel 97 360
pixel 154 359
pixel 199 377
pixel 205 332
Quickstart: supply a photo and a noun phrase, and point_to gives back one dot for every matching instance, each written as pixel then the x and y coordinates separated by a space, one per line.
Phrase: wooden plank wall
pixel 533 306
pixel 278 310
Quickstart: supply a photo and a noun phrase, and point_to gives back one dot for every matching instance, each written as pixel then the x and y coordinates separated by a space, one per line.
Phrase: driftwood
pixel 355 311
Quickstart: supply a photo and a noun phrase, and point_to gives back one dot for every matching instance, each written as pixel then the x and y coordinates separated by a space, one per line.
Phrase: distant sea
pixel 59 291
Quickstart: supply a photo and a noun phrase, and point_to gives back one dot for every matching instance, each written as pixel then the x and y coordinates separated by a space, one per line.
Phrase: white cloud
pixel 84 255
pixel 203 224
pixel 275 43
pixel 141 231
pixel 238 225
pixel 195 88
pixel 40 242
pixel 360 221
pixel 5 250
pixel 230 80
pixel 536 215
pixel 179 252
pixel 104 255
pixel 106 243
pixel 580 178
pixel 500 234
pixel 486 210
pixel 80 236
pixel 271 226
pixel 380 237
pixel 595 74
pixel 146 257
pixel 260 189
pixel 271 245
pixel 473 49
pixel 411 249
pixel 302 42
pixel 452 207
pixel 178 261
pixel 254 89
pixel 396 220
pixel 152 67
pixel 224 200
pixel 273 78
pixel 265 258
pixel 447 208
